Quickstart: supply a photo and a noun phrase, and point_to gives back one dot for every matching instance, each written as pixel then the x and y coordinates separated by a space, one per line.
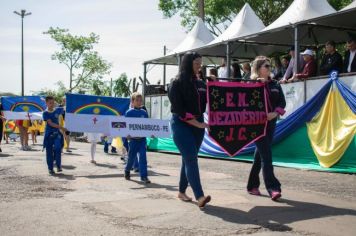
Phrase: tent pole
pixel 296 51
pixel 164 67
pixel 144 82
pixel 228 59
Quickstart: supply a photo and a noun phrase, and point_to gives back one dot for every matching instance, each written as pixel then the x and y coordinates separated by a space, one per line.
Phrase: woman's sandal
pixel 203 201
pixel 184 197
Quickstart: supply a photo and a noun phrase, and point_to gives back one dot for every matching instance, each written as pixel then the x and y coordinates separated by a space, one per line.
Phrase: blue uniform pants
pixel 137 146
pixel 263 160
pixel 188 139
pixel 53 145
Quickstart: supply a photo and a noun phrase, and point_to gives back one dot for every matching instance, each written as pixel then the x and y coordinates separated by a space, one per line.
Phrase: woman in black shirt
pixel 188 103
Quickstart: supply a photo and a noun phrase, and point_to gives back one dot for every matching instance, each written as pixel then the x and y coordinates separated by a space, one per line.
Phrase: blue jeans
pixel 53 143
pixel 188 139
pixel 263 159
pixel 137 146
pixel 106 147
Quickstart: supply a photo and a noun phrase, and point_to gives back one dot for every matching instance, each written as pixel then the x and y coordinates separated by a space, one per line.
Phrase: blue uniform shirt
pixel 137 113
pixel 54 117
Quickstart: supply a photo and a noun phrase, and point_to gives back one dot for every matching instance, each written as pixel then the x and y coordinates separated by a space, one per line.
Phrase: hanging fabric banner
pixel 237 114
pixel 86 113
pixel 23 108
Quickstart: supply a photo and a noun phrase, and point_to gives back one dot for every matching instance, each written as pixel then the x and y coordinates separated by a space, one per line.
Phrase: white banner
pixel 139 127
pixel 314 86
pixel 156 107
pixel 294 94
pixel 350 81
pixel 88 123
pixel 12 115
pixel 166 108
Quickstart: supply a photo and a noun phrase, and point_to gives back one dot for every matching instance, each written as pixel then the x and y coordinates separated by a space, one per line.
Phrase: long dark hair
pixel 186 72
pixel 236 73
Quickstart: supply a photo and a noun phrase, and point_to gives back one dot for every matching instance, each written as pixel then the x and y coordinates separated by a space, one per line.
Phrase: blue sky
pixel 130 33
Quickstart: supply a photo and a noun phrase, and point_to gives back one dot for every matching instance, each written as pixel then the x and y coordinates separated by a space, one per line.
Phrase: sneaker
pixel 145 180
pixel 275 195
pixel 68 150
pixel 127 175
pixel 93 161
pixel 51 172
pixel 59 170
pixel 136 170
pixel 113 151
pixel 254 191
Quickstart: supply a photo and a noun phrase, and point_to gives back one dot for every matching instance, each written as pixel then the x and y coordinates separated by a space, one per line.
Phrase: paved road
pixel 97 200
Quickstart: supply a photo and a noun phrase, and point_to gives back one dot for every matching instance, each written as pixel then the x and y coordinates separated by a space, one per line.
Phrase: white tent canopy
pixel 246 22
pixel 352 5
pixel 197 37
pixel 301 10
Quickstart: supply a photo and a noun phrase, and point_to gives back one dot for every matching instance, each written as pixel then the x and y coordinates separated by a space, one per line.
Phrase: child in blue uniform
pixel 137 144
pixel 53 138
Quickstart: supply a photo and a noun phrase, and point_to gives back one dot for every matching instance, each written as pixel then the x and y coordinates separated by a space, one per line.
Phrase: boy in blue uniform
pixel 53 138
pixel 137 144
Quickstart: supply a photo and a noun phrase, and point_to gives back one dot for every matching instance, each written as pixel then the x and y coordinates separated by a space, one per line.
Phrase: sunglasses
pixel 267 66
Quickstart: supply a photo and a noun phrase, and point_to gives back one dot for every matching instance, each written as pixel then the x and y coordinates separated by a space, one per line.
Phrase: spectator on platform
pixel 350 58
pixel 277 68
pixel 213 74
pixel 290 70
pixel 285 64
pixel 309 69
pixel 236 71
pixel 246 68
pixel 222 72
pixel 331 60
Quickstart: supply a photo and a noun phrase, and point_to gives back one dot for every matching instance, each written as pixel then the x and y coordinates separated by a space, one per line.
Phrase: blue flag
pixel 88 113
pixel 22 108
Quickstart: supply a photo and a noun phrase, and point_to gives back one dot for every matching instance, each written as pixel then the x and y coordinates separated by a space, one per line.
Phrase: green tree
pixel 121 87
pixel 220 13
pixel 100 88
pixel 76 52
pixel 58 93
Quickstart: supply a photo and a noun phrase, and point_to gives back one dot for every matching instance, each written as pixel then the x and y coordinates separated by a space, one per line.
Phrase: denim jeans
pixel 188 139
pixel 263 159
pixel 53 144
pixel 137 146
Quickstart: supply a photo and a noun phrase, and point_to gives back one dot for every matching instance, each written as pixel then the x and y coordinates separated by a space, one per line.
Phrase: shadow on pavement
pixel 68 167
pixel 275 218
pixel 154 185
pixel 102 176
pixel 5 155
pixel 71 154
pixel 110 166
pixel 64 176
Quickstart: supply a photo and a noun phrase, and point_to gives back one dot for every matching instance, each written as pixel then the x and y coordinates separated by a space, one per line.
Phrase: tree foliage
pixel 76 52
pixel 57 93
pixel 220 13
pixel 121 86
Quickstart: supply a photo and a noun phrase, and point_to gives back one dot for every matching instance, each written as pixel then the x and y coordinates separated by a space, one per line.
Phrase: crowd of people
pixel 283 66
pixel 187 94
